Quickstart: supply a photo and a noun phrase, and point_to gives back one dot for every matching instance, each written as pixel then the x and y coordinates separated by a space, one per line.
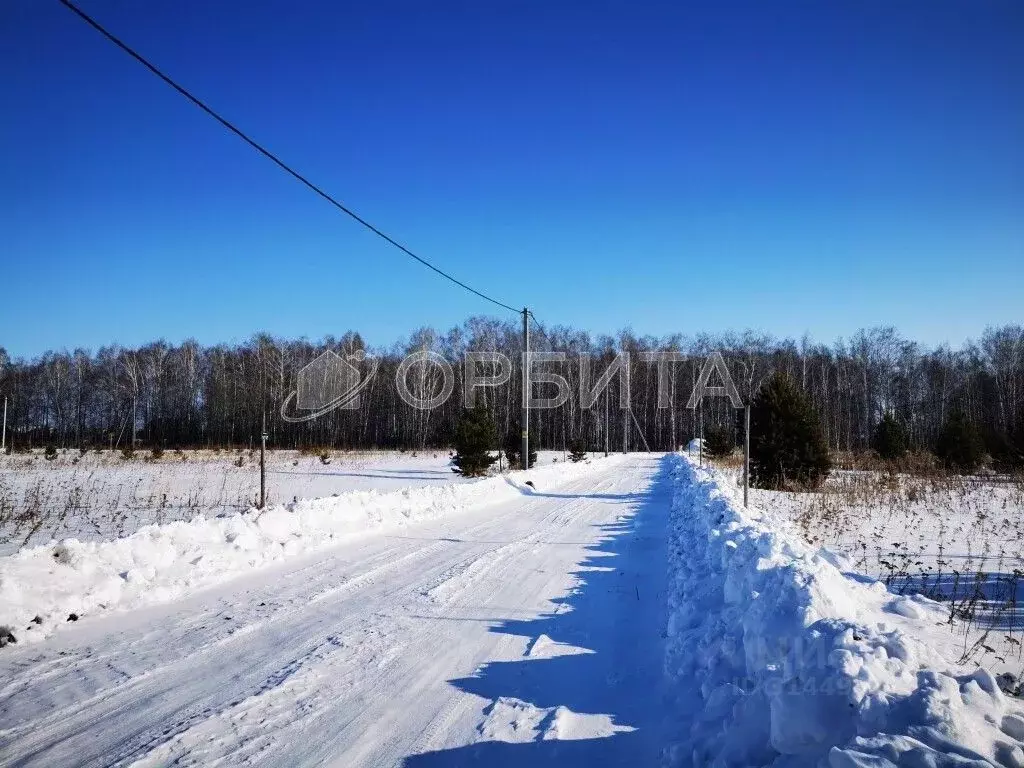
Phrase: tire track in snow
pixel 415 678
pixel 456 576
pixel 286 671
pixel 194 646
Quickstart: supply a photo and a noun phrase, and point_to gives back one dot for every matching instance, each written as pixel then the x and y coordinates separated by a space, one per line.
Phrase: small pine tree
pixel 514 447
pixel 578 452
pixel 1000 446
pixel 960 445
pixel 787 445
pixel 1015 458
pixel 718 442
pixel 475 437
pixel 50 453
pixel 890 438
pixel 1007 447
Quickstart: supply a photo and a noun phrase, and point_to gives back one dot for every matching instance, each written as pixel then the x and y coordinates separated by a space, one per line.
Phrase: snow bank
pixel 796 664
pixel 43 587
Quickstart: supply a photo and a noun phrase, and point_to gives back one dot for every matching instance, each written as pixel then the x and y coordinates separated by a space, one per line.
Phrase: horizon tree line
pixel 190 396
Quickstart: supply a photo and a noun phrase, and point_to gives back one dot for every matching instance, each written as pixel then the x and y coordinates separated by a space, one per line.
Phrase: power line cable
pixel 271 156
pixel 538 323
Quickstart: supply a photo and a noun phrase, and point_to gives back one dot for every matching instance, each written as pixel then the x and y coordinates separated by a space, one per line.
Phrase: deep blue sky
pixel 789 167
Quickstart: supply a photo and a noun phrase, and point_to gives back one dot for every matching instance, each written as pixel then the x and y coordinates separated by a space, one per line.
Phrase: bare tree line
pixel 193 396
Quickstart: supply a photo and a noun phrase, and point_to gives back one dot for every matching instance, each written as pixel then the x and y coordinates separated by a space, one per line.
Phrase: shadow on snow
pixel 994 600
pixel 617 612
pixel 379 474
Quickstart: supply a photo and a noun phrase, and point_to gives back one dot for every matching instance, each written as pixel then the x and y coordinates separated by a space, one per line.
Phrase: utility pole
pixel 263 463
pixel 625 421
pixel 625 433
pixel 606 422
pixel 3 442
pixel 525 421
pixel 700 444
pixel 746 454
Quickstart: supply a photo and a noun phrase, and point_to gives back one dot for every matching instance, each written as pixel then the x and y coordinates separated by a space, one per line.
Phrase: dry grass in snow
pixel 103 496
pixel 958 540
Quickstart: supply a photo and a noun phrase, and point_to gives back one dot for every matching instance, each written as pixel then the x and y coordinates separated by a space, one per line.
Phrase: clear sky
pixel 789 167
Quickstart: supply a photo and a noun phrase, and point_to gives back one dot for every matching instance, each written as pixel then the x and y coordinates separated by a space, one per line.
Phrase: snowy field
pixel 957 540
pixel 103 496
pixel 621 611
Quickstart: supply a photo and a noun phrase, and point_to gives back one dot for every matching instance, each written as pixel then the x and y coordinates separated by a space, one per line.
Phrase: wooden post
pixel 263 464
pixel 746 455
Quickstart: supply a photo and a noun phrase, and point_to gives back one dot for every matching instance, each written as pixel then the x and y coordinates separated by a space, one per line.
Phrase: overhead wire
pixel 272 157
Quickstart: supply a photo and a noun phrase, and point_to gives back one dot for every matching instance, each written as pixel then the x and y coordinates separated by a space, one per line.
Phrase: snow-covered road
pixel 523 633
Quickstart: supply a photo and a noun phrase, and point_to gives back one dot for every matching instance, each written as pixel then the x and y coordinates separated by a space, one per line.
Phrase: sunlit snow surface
pixel 622 611
pixel 802 663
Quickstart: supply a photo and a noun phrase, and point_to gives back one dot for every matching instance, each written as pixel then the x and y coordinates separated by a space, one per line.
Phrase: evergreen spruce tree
pixel 578 452
pixel 718 442
pixel 787 445
pixel 960 445
pixel 1007 447
pixel 514 447
pixel 890 439
pixel 1015 455
pixel 475 438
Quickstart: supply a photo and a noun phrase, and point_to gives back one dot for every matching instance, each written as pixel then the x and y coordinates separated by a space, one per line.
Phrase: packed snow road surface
pixel 527 632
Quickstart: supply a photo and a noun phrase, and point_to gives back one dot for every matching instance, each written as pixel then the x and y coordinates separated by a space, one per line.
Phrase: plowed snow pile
pixel 41 587
pixel 799 664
